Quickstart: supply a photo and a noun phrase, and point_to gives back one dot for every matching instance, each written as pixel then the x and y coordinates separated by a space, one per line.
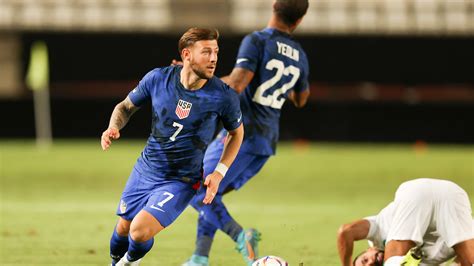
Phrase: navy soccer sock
pixel 118 246
pixel 136 250
pixel 205 236
pixel 232 229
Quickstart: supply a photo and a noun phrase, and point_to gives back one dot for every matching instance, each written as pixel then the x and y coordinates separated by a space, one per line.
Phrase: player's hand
pixel 175 62
pixel 212 183
pixel 107 137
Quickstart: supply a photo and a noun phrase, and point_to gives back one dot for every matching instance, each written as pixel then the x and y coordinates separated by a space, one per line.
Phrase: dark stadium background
pixel 398 88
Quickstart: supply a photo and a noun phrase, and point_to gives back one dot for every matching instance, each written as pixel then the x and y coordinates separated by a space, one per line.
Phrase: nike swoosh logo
pixel 240 118
pixel 156 208
pixel 240 60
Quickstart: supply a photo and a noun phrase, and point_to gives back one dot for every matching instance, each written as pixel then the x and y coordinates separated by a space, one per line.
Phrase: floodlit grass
pixel 58 205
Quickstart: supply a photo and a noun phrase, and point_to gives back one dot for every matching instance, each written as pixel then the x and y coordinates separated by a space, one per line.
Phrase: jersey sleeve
pixel 303 83
pixel 249 53
pixel 231 116
pixel 372 227
pixel 141 93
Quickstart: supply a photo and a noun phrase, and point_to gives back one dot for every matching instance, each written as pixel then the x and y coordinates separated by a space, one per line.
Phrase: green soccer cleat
pixel 197 260
pixel 247 245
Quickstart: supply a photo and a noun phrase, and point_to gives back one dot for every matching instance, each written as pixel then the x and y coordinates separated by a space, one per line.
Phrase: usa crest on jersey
pixel 183 108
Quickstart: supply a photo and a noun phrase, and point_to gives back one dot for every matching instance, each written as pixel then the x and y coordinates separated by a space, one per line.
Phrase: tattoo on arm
pixel 122 113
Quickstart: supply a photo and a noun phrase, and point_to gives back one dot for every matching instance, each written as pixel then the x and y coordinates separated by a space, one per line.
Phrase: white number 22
pixel 272 99
pixel 180 127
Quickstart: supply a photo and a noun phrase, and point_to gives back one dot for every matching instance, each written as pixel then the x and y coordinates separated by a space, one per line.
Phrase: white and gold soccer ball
pixel 270 261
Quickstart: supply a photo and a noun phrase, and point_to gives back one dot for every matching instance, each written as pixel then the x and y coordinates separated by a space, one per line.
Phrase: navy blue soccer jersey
pixel 183 122
pixel 280 65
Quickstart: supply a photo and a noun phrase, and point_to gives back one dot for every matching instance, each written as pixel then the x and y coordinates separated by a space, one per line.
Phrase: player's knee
pixel 123 227
pixel 141 234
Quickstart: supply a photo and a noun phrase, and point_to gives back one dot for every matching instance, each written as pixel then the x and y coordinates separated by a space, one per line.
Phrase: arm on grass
pixel 346 235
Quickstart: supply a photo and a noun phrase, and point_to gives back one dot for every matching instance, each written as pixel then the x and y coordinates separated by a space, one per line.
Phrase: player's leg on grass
pixel 211 218
pixel 215 216
pixel 119 240
pixel 142 230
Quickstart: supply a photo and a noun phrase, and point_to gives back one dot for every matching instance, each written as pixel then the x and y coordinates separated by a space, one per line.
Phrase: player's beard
pixel 379 259
pixel 201 72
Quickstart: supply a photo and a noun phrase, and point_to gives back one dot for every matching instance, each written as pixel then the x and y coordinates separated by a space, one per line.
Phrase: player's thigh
pixel 412 214
pixel 169 200
pixel 398 248
pixel 211 159
pixel 453 216
pixel 465 251
pixel 134 196
pixel 252 165
pixel 144 226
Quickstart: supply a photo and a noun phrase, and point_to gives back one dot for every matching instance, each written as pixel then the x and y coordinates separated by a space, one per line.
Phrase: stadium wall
pixel 321 121
pixel 91 72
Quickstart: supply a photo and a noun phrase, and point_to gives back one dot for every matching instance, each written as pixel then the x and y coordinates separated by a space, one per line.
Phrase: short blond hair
pixel 194 35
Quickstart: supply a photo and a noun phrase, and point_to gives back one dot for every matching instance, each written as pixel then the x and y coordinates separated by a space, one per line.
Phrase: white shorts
pixel 439 206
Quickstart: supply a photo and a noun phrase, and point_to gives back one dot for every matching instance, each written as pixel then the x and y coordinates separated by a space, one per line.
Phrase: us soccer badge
pixel 123 206
pixel 183 108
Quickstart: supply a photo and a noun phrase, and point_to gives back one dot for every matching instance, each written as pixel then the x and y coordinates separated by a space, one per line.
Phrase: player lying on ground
pixel 432 214
pixel 187 104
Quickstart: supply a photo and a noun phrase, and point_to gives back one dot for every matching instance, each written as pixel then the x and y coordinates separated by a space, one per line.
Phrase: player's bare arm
pixel 299 99
pixel 346 235
pixel 397 248
pixel 239 79
pixel 120 116
pixel 231 148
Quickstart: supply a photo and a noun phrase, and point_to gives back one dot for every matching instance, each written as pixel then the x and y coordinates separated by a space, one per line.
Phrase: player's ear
pixel 185 54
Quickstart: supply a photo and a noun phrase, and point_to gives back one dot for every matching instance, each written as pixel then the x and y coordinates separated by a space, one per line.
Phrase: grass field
pixel 58 206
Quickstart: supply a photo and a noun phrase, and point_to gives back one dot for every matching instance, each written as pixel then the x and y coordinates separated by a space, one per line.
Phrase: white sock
pixel 394 261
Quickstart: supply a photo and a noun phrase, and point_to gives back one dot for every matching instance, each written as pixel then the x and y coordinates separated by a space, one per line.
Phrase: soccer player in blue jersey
pixel 187 104
pixel 271 67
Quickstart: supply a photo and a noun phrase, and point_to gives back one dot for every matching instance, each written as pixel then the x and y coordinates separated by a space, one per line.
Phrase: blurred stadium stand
pixel 381 70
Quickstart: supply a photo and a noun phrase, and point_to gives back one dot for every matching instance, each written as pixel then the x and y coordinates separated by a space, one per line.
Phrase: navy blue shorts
pixel 165 199
pixel 245 165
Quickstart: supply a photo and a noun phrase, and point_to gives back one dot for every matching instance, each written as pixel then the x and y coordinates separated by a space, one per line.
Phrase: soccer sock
pixel 136 250
pixel 203 246
pixel 118 246
pixel 232 229
pixel 394 261
pixel 205 236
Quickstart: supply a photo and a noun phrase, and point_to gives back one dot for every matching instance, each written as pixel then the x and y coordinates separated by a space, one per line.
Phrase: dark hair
pixel 354 261
pixel 289 11
pixel 194 35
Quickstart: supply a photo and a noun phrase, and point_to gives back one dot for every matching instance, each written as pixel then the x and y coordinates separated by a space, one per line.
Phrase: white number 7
pixel 170 196
pixel 180 127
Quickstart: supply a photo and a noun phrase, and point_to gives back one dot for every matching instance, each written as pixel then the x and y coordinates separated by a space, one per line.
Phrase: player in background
pixel 271 67
pixel 187 103
pixel 432 214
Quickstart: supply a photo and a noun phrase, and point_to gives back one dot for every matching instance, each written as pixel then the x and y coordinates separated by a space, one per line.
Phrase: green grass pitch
pixel 58 206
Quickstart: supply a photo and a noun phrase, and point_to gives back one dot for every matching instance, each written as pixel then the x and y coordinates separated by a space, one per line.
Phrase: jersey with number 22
pixel 279 65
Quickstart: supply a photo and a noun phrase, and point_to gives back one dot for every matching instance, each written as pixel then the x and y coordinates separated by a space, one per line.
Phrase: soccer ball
pixel 270 261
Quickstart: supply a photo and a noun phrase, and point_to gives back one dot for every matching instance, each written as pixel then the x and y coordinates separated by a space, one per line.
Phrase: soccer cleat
pixel 125 262
pixel 247 245
pixel 197 260
pixel 413 257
